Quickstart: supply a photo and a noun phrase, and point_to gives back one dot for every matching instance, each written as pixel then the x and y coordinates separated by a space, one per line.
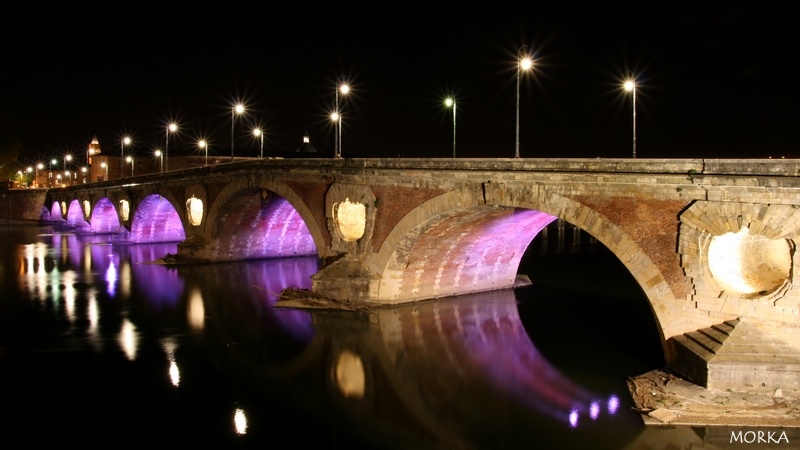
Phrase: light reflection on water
pixel 454 373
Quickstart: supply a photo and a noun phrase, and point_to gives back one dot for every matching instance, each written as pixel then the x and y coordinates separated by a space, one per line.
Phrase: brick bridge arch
pixel 455 244
pixel 249 218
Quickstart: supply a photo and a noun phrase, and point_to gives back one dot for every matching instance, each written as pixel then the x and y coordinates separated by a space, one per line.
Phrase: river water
pixel 99 347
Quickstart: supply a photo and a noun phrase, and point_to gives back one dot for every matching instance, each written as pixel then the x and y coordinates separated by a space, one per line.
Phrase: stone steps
pixel 737 355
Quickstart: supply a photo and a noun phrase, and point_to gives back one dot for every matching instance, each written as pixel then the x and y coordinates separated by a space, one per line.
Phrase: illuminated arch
pixel 75 216
pixel 55 212
pixel 456 251
pixel 536 211
pixel 261 218
pixel 104 217
pixel 156 220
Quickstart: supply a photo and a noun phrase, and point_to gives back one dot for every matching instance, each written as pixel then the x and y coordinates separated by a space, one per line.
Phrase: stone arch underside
pixel 75 218
pixel 156 220
pixel 407 267
pixel 260 224
pixel 55 213
pixel 461 251
pixel 105 218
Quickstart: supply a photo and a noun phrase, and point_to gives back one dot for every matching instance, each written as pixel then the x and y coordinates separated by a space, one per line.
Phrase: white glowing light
pixel 629 85
pixel 125 210
pixel 745 264
pixel 240 421
pixel 128 339
pixel 194 209
pixel 174 373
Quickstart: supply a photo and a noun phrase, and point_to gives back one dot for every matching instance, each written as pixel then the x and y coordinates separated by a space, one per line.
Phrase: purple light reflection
pixel 256 286
pixel 487 337
pixel 162 286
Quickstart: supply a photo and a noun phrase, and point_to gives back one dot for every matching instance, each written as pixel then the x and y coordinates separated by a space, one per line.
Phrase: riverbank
pixel 662 399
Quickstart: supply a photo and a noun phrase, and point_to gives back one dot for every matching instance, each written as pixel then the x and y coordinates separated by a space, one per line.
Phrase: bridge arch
pixel 105 218
pixel 75 215
pixel 260 217
pixel 155 219
pixel 440 238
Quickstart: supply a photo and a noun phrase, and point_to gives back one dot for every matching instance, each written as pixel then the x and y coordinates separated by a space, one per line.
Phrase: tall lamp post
pixel 524 62
pixel 344 88
pixel 171 128
pixel 260 135
pixel 450 102
pixel 53 162
pixel 630 86
pixel 160 157
pixel 130 160
pixel 104 166
pixel 203 146
pixel 125 141
pixel 237 109
pixel 67 160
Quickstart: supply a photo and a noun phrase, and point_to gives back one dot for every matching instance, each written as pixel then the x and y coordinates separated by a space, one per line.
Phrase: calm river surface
pixel 100 348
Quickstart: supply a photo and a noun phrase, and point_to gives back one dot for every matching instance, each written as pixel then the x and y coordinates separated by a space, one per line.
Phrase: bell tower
pixel 94 149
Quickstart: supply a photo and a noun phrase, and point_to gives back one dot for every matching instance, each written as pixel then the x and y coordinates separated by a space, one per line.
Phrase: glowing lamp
pixel 194 211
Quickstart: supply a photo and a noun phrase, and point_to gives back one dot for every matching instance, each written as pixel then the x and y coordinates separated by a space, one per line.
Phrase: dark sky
pixel 715 79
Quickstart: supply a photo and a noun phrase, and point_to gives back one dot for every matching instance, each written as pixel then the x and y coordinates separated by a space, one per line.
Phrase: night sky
pixel 714 79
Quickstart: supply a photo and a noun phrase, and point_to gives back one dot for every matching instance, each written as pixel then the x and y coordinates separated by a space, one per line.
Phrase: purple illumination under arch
pixel 55 213
pixel 75 217
pixel 104 217
pixel 156 220
pixel 256 226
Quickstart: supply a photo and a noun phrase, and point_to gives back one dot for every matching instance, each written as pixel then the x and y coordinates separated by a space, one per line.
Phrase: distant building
pixel 306 146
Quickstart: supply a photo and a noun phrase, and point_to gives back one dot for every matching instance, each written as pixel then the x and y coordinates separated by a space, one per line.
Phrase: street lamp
pixel 260 135
pixel 53 162
pixel 104 165
pixel 158 155
pixel 451 102
pixel 344 88
pixel 125 141
pixel 630 86
pixel 39 168
pixel 524 62
pixel 130 160
pixel 237 109
pixel 203 146
pixel 171 128
pixel 335 117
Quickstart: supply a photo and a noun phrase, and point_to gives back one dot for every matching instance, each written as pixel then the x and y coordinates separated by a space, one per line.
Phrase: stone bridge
pixel 710 242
